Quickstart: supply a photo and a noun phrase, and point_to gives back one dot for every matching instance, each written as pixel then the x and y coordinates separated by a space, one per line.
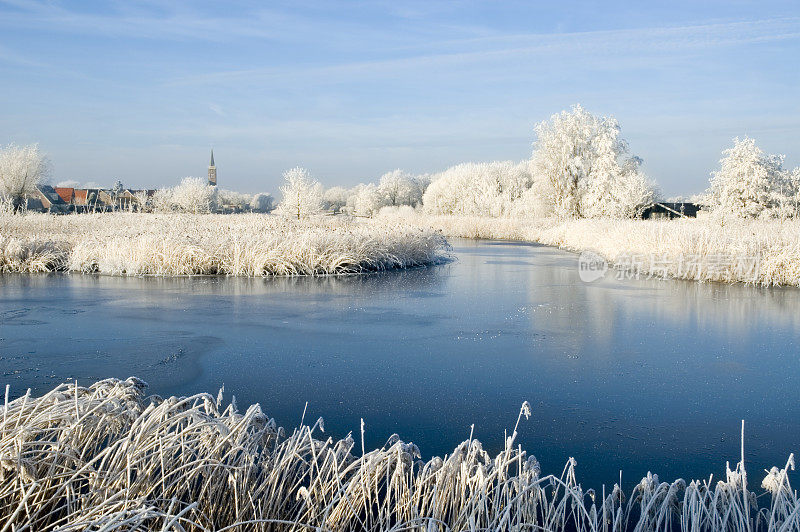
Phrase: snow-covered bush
pixel 401 212
pixel 792 199
pixel 394 188
pixel 193 195
pixel 751 183
pixel 480 189
pixel 142 201
pixel 423 181
pixel 530 204
pixel 21 169
pixel 262 202
pixel 334 199
pixel 6 206
pixel 229 200
pixel 582 167
pixel 302 195
pixel 162 200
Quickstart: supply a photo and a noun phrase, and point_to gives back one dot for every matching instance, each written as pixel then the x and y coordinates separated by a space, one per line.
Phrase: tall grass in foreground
pixel 187 244
pixel 761 252
pixel 108 458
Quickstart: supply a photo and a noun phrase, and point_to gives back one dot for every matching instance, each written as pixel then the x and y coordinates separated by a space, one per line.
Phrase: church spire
pixel 212 171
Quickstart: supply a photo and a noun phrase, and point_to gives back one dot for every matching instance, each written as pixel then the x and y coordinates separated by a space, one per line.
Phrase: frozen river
pixel 635 375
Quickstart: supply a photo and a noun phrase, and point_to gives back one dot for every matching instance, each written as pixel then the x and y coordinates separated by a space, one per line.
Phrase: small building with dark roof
pixel 669 210
pixel 46 199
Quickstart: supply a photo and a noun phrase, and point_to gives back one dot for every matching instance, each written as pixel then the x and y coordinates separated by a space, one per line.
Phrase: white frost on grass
pixel 756 251
pixel 187 244
pixel 107 457
pixel 699 249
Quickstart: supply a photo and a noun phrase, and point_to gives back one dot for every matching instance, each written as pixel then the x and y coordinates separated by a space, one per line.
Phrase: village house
pixel 46 199
pixel 67 194
pixel 63 200
pixel 669 210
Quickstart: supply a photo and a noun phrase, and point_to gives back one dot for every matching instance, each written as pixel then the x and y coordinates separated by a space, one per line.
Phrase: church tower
pixel 212 171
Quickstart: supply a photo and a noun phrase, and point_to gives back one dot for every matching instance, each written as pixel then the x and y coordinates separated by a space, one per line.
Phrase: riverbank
pixel 108 456
pixel 759 252
pixel 249 245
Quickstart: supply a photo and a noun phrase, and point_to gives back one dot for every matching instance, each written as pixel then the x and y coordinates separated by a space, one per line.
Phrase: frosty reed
pixel 189 244
pixel 108 457
pixel 759 252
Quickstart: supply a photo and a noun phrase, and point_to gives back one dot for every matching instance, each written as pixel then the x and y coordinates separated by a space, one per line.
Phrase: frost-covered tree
pixel 482 189
pixel 21 169
pixel 142 201
pixel 793 197
pixel 302 195
pixel 749 182
pixel 617 192
pixel 262 202
pixel 394 189
pixel 162 200
pixel 367 200
pixel 399 188
pixel 230 200
pixel 116 192
pixel 193 195
pixel 334 199
pixel 630 196
pixel 352 196
pixel 529 205
pixel 583 167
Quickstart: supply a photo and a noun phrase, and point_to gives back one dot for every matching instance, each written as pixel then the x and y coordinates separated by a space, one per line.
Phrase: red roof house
pixel 67 194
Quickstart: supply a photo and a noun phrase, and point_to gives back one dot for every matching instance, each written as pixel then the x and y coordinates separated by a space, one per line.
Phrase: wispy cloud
pixel 383 83
pixel 171 21
pixel 10 56
pixel 217 110
pixel 490 49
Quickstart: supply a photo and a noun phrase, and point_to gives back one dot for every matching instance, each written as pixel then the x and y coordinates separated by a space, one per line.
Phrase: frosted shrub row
pixel 580 167
pixel 195 195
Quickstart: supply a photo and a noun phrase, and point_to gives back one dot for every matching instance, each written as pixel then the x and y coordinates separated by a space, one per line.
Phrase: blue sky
pixel 141 90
